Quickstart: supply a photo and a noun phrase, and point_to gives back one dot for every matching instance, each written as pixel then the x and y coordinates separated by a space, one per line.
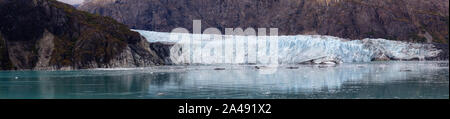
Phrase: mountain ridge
pixel 50 35
pixel 405 20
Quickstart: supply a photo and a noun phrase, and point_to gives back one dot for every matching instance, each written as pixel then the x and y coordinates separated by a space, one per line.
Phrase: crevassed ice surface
pixel 301 48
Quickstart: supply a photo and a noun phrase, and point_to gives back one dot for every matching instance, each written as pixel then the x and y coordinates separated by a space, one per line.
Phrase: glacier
pixel 306 49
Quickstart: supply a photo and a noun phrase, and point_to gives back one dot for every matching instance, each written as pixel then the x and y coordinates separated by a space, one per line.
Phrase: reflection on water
pixel 357 80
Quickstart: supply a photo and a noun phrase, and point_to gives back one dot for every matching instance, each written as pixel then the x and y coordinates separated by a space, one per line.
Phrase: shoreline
pixel 227 66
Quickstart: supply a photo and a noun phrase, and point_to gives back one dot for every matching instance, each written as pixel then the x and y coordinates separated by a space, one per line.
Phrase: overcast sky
pixel 72 1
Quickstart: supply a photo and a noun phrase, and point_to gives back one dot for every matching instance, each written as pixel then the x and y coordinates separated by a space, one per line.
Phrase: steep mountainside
pixel 406 20
pixel 46 34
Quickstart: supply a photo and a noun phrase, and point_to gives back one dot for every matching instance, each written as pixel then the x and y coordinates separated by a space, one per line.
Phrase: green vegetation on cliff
pixel 80 39
pixel 101 39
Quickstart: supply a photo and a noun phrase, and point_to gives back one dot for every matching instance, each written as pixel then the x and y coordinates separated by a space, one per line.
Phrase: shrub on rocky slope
pixel 47 34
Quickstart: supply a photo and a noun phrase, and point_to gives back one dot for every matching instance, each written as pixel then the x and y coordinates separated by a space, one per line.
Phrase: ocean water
pixel 373 80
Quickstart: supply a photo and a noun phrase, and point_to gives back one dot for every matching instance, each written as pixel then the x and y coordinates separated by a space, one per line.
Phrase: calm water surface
pixel 386 80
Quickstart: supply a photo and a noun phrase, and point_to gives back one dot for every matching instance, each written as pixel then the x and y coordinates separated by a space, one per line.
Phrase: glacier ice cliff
pixel 311 49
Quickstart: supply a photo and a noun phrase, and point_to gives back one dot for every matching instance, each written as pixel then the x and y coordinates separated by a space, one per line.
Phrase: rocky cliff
pixel 49 35
pixel 406 20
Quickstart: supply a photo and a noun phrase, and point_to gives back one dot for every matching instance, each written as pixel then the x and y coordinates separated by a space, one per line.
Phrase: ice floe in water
pixel 306 49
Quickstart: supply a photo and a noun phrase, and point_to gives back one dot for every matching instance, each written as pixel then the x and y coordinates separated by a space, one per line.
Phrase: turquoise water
pixel 385 80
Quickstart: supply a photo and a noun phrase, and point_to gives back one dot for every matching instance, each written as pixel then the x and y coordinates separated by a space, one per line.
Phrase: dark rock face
pixel 406 20
pixel 163 51
pixel 443 55
pixel 5 63
pixel 49 35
